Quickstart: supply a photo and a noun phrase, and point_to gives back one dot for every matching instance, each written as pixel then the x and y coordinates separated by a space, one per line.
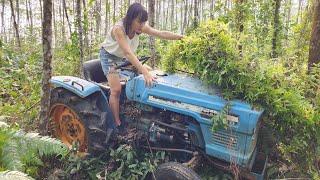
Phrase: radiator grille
pixel 225 139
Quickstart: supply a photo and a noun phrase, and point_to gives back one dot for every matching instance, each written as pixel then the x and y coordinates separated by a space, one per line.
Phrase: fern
pixel 9 175
pixel 44 145
pixel 23 151
pixel 11 157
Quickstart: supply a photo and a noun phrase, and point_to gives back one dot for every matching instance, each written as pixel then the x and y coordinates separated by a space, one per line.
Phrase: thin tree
pixel 31 17
pixel 212 9
pixel 41 13
pixel 151 38
pixel 61 15
pixel 3 30
pixel 27 12
pixel 299 10
pixel 47 58
pixel 97 15
pixel 18 11
pixel 66 13
pixel 15 24
pixel 185 18
pixel 239 21
pixel 288 9
pixel 55 31
pixel 172 15
pixel 85 26
pixel 167 15
pixel 107 17
pixel 196 14
pixel 181 17
pixel 276 29
pixel 114 12
pixel 314 50
pixel 157 9
pixel 79 25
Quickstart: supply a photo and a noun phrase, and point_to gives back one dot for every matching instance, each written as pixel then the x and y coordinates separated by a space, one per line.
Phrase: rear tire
pixel 79 121
pixel 175 171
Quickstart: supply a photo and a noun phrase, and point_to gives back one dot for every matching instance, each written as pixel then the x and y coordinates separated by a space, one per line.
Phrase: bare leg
pixel 115 88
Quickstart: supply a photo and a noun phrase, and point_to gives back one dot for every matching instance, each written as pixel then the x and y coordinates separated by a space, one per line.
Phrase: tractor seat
pixel 92 71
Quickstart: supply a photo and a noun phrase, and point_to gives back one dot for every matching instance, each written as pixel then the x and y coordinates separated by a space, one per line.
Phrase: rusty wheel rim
pixel 65 125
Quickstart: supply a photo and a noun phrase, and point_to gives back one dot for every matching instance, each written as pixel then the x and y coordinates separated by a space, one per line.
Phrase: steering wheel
pixel 143 60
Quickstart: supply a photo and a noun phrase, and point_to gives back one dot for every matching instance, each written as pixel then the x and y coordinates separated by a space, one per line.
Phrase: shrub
pixel 210 52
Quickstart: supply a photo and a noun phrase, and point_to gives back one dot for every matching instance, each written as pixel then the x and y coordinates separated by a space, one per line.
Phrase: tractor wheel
pixel 175 171
pixel 79 122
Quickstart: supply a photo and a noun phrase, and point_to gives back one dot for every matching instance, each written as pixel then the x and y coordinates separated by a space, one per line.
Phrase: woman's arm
pixel 121 39
pixel 161 34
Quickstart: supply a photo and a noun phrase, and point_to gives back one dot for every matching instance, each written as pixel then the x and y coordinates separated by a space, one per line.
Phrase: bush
pixel 210 52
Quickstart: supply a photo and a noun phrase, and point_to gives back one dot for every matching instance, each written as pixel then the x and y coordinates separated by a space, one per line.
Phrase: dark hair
pixel 135 10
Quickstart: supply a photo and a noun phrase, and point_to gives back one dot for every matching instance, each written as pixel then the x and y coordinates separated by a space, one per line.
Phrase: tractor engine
pixel 163 127
pixel 165 130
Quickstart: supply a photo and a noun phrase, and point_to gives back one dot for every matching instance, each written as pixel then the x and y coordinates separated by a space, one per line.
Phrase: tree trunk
pixel 276 29
pixel 200 10
pixel 176 13
pixel 114 12
pixel 107 17
pixel 314 50
pixel 212 9
pixel 27 13
pixel 151 38
pixel 63 28
pixel 41 10
pixel 15 24
pixel 31 17
pixel 47 58
pixel 162 14
pixel 196 14
pixel 85 26
pixel 181 16
pixel 66 13
pixel 289 4
pixel 185 18
pixel 18 11
pixel 55 38
pixel 172 15
pixel 167 15
pixel 79 24
pixel 157 15
pixel 239 22
pixel 3 30
pixel 98 17
pixel 299 10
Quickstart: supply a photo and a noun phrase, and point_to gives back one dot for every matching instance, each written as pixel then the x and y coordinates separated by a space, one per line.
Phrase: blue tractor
pixel 175 115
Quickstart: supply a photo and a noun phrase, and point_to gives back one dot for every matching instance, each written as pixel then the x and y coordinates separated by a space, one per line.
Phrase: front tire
pixel 175 171
pixel 80 122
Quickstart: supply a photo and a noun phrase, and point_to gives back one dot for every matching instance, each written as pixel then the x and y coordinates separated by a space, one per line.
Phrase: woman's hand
pixel 148 78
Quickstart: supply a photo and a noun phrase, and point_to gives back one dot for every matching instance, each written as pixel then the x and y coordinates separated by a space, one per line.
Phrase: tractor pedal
pixel 108 135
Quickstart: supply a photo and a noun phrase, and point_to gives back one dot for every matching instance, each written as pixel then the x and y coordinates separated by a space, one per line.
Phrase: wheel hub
pixel 66 126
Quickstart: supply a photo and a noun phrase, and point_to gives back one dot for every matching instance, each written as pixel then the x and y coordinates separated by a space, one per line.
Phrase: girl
pixel 121 42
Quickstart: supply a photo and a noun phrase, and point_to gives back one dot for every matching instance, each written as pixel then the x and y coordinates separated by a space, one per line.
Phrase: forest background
pixel 283 36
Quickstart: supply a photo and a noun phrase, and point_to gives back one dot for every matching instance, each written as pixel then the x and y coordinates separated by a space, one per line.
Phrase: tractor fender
pixel 80 87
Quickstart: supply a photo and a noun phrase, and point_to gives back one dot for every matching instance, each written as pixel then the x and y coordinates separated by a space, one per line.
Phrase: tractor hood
pixel 188 95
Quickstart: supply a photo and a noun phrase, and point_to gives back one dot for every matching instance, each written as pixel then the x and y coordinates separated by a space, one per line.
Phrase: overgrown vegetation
pixel 20 151
pixel 20 75
pixel 282 87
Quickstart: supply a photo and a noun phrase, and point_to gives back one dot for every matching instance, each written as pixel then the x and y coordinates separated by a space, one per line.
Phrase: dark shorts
pixel 109 61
